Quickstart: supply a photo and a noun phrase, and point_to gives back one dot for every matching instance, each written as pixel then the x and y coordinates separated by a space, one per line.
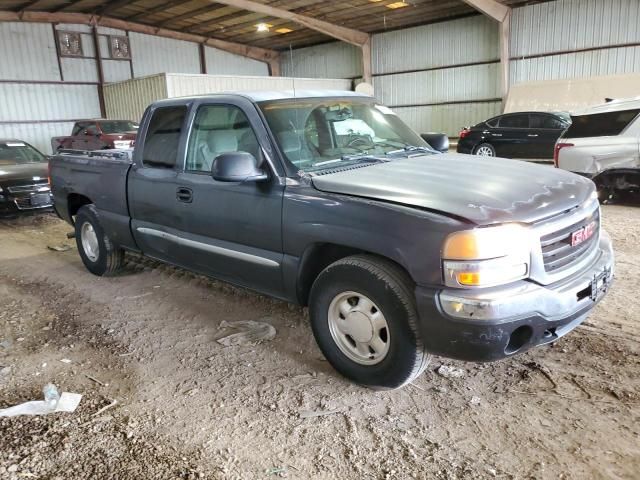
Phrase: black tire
pixel 485 147
pixel 390 289
pixel 110 257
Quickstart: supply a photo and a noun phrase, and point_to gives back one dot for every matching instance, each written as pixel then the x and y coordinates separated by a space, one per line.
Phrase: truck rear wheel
pixel 98 253
pixel 364 319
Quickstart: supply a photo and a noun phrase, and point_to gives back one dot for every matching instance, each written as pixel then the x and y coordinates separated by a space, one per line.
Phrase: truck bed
pixel 99 177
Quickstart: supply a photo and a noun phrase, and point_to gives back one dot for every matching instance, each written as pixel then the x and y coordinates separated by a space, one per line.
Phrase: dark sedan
pixel 24 184
pixel 515 135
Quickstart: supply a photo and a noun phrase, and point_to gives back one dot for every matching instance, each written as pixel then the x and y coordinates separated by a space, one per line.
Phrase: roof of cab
pixel 612 106
pixel 263 96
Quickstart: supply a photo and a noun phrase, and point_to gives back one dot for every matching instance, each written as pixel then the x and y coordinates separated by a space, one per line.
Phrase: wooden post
pixel 96 46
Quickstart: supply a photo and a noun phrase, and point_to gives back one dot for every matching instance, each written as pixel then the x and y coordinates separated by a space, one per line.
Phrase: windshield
pixel 118 126
pixel 316 134
pixel 16 153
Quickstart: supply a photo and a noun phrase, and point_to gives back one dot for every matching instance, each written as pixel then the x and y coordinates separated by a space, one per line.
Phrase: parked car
pixel 603 143
pixel 98 135
pixel 515 135
pixel 24 184
pixel 398 251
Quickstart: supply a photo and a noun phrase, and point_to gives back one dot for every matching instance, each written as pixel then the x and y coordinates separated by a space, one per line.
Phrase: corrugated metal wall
pixel 157 55
pixel 129 99
pixel 444 75
pixel 37 98
pixel 607 30
pixel 331 60
pixel 220 62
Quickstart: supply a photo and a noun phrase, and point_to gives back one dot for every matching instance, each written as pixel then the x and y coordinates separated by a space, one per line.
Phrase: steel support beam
pixel 348 35
pixel 502 14
pixel 256 53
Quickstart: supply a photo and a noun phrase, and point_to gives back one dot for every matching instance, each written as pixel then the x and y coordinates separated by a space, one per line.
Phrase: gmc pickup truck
pixel 98 135
pixel 327 199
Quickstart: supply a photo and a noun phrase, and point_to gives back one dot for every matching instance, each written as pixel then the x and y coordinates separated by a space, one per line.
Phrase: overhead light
pixel 284 30
pixel 375 1
pixel 263 27
pixel 395 5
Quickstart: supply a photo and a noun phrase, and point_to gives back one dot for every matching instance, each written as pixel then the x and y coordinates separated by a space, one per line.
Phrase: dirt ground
pixel 188 407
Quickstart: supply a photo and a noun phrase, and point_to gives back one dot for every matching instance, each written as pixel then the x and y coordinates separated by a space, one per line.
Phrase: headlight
pixel 485 257
pixel 122 143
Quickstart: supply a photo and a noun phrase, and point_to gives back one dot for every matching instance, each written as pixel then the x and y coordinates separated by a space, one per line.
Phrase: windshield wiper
pixel 412 149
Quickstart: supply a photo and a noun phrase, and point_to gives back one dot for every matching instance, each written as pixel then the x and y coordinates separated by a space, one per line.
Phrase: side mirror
pixel 437 141
pixel 237 167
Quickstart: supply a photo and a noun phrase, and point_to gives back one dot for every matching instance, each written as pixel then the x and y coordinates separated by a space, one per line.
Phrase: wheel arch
pixel 318 256
pixel 75 201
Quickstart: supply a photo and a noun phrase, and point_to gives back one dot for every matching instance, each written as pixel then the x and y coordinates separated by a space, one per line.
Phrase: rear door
pixel 154 207
pixel 544 131
pixel 513 141
pixel 231 230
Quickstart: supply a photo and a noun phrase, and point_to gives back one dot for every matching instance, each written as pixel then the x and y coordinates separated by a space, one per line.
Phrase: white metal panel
pixel 27 52
pixel 128 100
pixel 220 62
pixel 449 119
pixel 116 70
pixel 186 85
pixel 79 69
pixel 613 61
pixel 74 27
pixel 476 82
pixel 330 60
pixel 111 31
pixel 153 55
pixel 37 134
pixel 566 25
pixel 48 102
pixel 467 40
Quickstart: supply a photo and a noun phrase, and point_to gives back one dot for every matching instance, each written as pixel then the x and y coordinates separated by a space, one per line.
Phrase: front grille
pixel 557 251
pixel 33 188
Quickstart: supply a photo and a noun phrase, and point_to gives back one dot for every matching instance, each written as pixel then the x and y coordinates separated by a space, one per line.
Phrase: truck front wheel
pixel 364 319
pixel 98 253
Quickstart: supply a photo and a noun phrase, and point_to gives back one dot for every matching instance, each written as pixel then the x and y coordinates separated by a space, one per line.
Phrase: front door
pixel 232 230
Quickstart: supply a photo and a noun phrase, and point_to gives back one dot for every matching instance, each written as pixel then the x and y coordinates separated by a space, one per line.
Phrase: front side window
pixel 318 133
pixel 600 124
pixel 163 137
pixel 16 153
pixel 545 121
pixel 91 130
pixel 79 128
pixel 219 129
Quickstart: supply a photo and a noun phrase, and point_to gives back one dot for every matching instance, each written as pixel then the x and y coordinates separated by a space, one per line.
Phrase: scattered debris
pixel 276 470
pixel 93 379
pixel 59 248
pixel 450 372
pixel 248 332
pixel 5 370
pixel 5 343
pixel 543 370
pixel 65 360
pixel 317 413
pixel 104 409
pixel 52 403
pixel 475 401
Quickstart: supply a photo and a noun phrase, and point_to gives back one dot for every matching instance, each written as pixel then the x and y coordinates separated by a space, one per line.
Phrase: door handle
pixel 184 195
pixel 532 135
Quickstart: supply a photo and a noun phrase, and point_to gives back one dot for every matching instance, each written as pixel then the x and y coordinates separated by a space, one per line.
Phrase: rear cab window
pixel 163 135
pixel 607 124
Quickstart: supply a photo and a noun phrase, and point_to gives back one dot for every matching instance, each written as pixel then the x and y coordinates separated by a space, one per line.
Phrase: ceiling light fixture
pixel 284 30
pixel 395 5
pixel 263 27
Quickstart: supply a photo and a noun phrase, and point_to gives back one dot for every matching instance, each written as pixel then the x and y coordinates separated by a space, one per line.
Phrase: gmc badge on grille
pixel 584 234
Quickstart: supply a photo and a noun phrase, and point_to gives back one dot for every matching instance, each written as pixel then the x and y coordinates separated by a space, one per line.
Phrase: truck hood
pixel 19 174
pixel 481 190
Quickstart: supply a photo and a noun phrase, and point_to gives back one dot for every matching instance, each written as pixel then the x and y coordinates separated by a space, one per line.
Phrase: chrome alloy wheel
pixel 358 328
pixel 484 151
pixel 89 241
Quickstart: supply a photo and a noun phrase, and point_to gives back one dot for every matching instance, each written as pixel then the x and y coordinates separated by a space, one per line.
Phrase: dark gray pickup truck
pixel 328 199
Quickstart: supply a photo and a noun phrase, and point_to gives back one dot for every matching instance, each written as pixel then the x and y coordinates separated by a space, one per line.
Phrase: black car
pixel 24 183
pixel 515 135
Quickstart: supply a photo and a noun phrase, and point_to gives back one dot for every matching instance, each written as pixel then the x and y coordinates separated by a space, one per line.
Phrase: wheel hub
pixel 358 328
pixel 89 241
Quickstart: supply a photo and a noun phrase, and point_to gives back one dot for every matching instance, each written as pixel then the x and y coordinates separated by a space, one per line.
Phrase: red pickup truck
pixel 98 135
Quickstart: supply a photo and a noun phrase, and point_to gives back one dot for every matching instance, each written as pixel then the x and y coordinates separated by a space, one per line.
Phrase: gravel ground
pixel 188 407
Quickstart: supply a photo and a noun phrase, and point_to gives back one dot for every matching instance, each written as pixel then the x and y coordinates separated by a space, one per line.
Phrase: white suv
pixel 603 143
